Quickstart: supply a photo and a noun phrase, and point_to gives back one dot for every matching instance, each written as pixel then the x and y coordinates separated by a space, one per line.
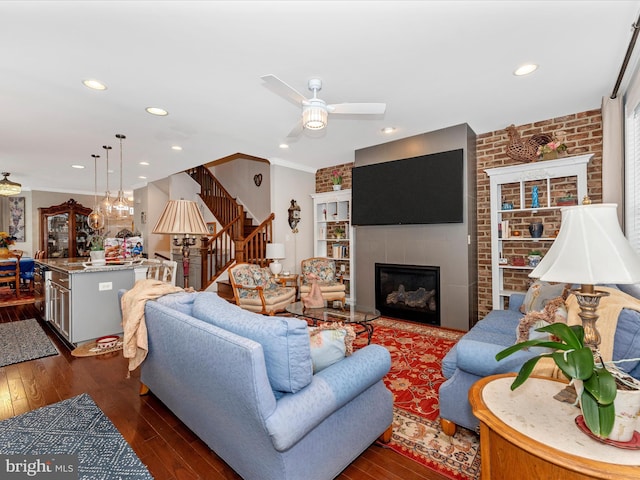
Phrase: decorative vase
pixel 627 406
pixel 337 186
pixel 534 198
pixel 4 252
pixel 536 229
pixel 534 260
pixel 97 257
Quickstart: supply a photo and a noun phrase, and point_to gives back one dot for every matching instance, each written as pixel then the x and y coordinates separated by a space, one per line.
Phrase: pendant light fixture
pixel 120 206
pixel 96 218
pixel 106 205
pixel 7 187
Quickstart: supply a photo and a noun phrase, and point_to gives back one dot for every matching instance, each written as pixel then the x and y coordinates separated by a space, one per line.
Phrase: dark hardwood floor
pixel 169 449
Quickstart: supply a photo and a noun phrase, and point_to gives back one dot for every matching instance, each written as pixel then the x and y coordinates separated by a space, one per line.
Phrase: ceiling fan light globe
pixel 314 118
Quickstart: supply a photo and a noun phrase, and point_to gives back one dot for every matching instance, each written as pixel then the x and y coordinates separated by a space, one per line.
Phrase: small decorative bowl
pixel 107 342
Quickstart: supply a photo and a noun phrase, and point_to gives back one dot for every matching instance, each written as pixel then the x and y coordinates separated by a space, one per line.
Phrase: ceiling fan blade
pixel 358 108
pixel 296 131
pixel 284 90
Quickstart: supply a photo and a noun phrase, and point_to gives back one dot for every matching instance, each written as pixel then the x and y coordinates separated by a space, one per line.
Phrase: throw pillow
pixel 554 311
pixel 330 343
pixel 539 294
pixel 181 301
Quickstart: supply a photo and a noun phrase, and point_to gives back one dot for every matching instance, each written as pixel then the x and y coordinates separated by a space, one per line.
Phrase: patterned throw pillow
pixel 555 311
pixel 539 294
pixel 330 343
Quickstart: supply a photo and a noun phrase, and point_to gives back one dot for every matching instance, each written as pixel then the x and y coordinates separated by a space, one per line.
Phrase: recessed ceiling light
pixel 388 130
pixel 284 146
pixel 142 177
pixel 525 69
pixel 176 148
pixel 77 166
pixel 94 84
pixel 144 163
pixel 161 112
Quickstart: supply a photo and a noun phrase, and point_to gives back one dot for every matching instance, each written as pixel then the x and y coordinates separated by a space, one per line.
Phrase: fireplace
pixel 410 292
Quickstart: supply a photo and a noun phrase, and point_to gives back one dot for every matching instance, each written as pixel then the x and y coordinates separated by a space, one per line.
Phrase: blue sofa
pixel 244 384
pixel 473 358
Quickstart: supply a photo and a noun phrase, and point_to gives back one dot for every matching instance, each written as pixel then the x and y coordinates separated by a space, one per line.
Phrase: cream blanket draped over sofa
pixel 135 342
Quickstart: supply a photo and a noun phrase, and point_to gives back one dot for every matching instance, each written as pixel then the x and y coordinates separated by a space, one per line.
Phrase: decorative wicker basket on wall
pixel 525 150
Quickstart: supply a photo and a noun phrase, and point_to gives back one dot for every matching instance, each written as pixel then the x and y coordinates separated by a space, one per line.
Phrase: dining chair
pixel 164 270
pixel 10 273
pixel 27 272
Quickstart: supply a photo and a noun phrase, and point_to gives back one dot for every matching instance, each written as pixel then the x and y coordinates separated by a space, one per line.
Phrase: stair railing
pixel 252 249
pixel 229 245
pixel 223 206
pixel 218 254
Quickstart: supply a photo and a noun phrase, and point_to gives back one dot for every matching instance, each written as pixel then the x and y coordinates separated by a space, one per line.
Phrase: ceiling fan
pixel 315 111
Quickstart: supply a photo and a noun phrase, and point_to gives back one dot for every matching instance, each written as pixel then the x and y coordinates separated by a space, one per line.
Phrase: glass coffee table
pixel 349 314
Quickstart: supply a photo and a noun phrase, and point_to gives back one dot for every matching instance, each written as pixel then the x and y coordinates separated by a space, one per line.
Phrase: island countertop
pixel 82 302
pixel 82 265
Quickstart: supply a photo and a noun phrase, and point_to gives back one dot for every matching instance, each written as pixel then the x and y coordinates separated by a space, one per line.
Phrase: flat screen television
pixel 421 190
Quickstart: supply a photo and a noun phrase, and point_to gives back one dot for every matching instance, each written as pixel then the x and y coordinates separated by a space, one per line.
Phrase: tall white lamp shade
pixel 590 249
pixel 182 217
pixel 275 252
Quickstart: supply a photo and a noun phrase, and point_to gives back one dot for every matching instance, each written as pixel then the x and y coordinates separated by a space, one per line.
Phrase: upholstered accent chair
pixel 257 290
pixel 324 269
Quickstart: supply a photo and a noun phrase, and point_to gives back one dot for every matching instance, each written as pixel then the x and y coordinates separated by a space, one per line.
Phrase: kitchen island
pixel 81 301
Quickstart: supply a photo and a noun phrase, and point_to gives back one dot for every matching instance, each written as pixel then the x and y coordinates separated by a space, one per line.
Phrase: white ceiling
pixel 434 63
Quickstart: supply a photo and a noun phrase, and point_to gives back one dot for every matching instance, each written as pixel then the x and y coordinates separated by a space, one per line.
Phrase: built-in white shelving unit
pixel 518 181
pixel 333 235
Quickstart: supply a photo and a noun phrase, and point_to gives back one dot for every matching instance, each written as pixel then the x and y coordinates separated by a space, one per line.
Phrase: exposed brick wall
pixel 323 177
pixel 583 135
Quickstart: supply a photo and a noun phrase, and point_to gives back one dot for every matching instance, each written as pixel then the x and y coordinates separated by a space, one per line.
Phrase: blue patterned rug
pixel 23 340
pixel 74 426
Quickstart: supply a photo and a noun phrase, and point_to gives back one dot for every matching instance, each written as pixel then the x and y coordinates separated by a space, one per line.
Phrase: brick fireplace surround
pixel 583 135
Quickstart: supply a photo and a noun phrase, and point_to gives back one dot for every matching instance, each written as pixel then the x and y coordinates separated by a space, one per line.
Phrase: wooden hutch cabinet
pixel 64 231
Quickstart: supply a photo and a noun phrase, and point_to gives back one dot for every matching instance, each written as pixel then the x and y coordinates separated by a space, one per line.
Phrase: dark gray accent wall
pixel 452 247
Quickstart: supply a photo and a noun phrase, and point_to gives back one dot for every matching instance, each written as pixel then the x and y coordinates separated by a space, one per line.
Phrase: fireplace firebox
pixel 409 292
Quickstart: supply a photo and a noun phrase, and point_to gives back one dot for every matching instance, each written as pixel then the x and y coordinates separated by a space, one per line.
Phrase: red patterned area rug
pixel 415 378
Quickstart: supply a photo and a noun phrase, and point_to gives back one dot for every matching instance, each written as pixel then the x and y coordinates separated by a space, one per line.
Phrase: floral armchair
pixel 257 290
pixel 324 269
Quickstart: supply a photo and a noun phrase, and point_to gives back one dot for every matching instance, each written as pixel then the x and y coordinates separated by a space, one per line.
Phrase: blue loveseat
pixel 244 384
pixel 473 357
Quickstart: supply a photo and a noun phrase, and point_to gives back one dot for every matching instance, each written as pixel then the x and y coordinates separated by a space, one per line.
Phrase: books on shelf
pixel 340 251
pixel 504 229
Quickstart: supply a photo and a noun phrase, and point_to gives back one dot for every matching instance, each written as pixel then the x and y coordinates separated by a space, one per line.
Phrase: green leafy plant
pixel 535 252
pixel 97 242
pixel 577 362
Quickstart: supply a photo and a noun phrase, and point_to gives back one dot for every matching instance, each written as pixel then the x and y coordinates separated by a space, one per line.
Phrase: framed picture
pixel 16 211
pixel 211 226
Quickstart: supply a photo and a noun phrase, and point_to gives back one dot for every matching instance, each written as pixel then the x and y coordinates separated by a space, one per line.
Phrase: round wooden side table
pixel 526 433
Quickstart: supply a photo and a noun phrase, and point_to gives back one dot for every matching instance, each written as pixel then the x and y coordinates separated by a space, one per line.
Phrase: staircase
pixel 238 240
